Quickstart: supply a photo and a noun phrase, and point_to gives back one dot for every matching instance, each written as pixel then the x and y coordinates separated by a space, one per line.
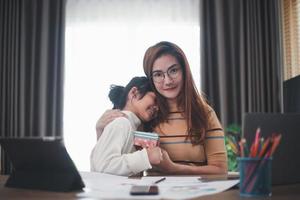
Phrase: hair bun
pixel 115 94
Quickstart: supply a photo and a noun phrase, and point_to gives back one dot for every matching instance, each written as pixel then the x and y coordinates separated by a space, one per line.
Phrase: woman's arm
pixel 169 167
pixel 106 118
pixel 214 144
pixel 110 115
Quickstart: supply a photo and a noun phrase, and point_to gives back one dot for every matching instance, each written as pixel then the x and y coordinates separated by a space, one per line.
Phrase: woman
pixel 114 152
pixel 191 134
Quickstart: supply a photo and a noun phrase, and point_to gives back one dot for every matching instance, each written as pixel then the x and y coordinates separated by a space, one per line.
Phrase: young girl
pixel 114 152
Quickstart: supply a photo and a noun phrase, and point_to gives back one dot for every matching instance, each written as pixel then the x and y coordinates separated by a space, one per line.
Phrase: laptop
pixel 41 163
pixel 286 159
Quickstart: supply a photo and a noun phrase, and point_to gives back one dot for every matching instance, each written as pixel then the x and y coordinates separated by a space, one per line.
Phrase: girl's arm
pixel 112 153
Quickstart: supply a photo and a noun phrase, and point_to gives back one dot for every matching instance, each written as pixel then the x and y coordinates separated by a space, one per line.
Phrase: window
pixel 105 44
pixel 291 38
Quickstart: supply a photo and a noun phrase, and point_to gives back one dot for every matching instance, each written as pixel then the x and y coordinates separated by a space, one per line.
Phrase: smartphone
pixel 144 190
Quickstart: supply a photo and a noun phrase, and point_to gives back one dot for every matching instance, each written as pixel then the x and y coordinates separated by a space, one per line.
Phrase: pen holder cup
pixel 255 176
pixel 145 139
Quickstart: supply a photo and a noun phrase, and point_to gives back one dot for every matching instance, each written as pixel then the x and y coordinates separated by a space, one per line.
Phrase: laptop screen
pixel 286 161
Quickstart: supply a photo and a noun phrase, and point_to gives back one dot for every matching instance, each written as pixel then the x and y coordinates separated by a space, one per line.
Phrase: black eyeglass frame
pixel 168 72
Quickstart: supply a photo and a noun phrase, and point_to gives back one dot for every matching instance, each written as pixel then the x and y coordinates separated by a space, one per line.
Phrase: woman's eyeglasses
pixel 172 72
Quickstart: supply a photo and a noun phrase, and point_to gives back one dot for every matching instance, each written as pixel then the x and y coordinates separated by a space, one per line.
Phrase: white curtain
pixel 105 44
pixel 134 11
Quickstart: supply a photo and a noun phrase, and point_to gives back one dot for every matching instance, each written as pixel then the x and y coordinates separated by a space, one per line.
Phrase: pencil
pixel 256 143
pixel 242 154
pixel 245 147
pixel 277 139
pixel 269 148
pixel 265 148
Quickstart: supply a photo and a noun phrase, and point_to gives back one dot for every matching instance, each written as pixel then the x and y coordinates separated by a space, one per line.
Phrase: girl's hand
pixel 154 155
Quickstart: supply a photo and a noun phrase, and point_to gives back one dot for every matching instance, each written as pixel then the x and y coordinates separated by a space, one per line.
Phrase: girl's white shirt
pixel 115 153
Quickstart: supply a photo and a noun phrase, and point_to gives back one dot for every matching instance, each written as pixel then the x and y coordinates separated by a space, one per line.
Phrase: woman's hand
pixel 106 118
pixel 166 165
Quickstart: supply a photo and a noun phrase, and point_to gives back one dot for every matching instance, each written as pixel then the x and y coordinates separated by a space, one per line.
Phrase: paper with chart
pixel 106 186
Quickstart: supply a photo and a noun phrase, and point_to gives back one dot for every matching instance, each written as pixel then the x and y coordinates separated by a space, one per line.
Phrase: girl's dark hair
pixel 118 94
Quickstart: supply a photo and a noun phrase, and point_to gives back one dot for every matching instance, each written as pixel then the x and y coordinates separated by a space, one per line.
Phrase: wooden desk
pixel 287 192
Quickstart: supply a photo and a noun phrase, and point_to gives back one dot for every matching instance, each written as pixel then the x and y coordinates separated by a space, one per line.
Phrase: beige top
pixel 173 139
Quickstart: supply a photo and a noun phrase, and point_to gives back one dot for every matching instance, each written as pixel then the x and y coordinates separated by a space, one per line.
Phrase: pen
pixel 160 180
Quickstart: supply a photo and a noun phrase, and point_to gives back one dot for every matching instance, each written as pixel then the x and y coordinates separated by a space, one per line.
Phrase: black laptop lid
pixel 41 163
pixel 286 161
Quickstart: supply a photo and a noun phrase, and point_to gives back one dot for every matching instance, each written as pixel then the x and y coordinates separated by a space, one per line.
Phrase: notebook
pixel 286 159
pixel 41 163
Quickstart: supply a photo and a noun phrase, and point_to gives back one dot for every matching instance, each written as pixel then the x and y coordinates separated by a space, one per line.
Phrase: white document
pixel 105 186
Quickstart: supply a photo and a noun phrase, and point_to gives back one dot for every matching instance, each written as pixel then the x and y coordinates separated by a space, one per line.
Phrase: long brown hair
pixel 189 99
